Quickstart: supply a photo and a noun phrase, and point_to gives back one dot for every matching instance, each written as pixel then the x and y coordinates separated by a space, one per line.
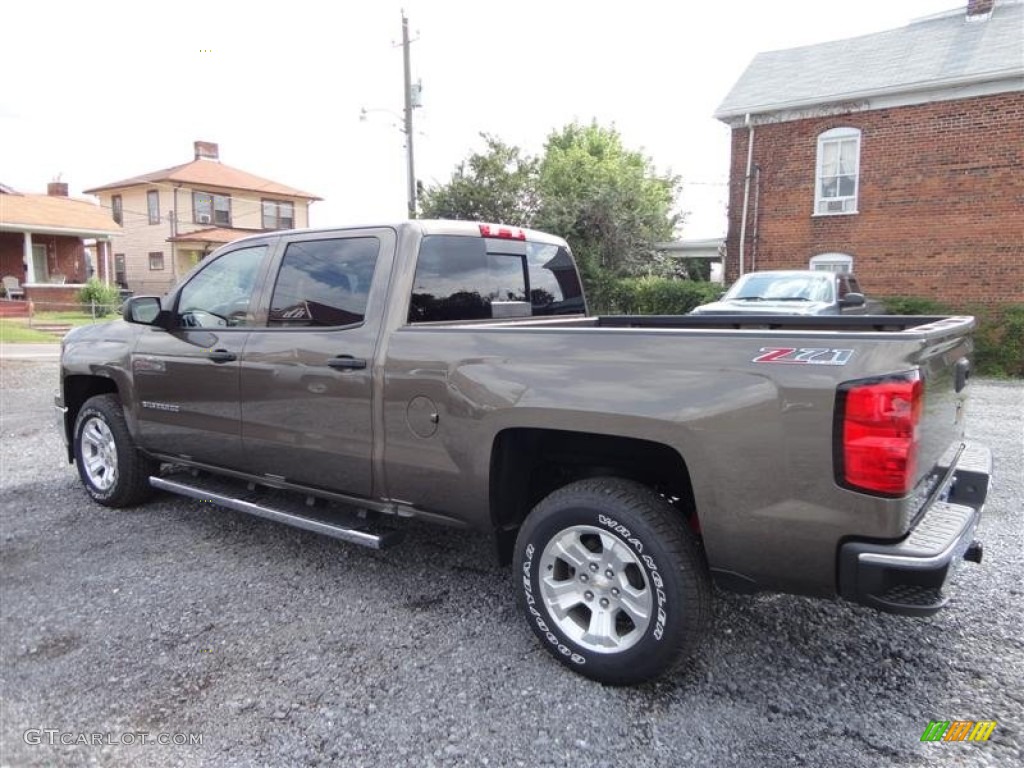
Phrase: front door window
pixel 220 295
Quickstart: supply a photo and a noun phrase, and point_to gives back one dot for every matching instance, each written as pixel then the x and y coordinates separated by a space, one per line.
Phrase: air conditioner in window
pixel 203 218
pixel 836 206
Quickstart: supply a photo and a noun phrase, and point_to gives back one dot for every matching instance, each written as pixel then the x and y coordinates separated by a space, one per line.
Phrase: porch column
pixel 106 261
pixel 30 267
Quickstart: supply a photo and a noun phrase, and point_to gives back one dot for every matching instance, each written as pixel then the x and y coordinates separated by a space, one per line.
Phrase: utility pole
pixel 172 219
pixel 408 116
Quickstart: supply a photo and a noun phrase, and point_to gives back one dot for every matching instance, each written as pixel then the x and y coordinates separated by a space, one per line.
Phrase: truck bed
pixel 911 325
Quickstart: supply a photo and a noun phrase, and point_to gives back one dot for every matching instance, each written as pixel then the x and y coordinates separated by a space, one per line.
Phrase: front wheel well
pixel 77 389
pixel 528 464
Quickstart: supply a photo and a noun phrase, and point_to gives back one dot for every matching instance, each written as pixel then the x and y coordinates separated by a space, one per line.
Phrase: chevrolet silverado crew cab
pixel 340 380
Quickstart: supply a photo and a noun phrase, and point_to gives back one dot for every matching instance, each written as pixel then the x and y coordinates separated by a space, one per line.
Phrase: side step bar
pixel 278 507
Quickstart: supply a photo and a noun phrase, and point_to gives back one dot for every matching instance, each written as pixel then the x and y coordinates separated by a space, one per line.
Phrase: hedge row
pixel 649 295
pixel 998 339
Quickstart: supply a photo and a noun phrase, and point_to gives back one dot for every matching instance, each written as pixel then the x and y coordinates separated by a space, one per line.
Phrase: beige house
pixel 174 217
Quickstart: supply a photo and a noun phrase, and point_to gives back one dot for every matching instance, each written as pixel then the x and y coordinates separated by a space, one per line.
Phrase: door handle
pixel 222 356
pixel 346 363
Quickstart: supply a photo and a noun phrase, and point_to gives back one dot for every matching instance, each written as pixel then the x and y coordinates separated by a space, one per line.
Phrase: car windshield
pixel 768 287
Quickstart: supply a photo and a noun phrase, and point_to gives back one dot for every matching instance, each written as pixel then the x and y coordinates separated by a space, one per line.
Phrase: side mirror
pixel 143 310
pixel 852 300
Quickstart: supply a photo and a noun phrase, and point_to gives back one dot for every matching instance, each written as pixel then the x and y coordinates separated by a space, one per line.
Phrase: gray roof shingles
pixel 926 53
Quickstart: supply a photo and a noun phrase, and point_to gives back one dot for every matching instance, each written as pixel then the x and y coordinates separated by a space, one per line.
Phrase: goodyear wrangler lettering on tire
pixel 621 529
pixel 659 591
pixel 659 627
pixel 612 581
pixel 541 624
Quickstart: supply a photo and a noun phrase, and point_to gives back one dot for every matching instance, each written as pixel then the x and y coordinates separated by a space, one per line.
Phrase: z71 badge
pixel 804 356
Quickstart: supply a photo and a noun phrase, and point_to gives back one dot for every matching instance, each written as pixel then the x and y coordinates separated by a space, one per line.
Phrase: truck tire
pixel 612 581
pixel 112 470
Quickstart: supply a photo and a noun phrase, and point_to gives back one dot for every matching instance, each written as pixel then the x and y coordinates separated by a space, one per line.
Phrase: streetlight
pixel 400 123
pixel 364 116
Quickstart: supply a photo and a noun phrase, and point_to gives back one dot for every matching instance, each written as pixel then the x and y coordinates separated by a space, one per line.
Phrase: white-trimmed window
pixel 209 208
pixel 153 206
pixel 832 262
pixel 838 170
pixel 278 214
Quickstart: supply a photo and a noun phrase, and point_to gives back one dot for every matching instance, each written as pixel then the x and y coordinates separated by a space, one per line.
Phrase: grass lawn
pixel 69 318
pixel 17 332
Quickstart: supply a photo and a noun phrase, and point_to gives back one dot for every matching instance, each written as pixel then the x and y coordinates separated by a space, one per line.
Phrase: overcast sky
pixel 100 91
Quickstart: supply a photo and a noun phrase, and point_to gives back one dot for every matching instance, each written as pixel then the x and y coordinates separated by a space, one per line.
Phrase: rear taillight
pixel 877 434
pixel 503 233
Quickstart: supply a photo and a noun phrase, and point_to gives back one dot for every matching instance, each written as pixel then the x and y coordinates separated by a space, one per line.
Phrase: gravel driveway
pixel 281 648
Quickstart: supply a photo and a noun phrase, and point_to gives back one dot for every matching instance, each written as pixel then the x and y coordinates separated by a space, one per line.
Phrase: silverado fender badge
pixel 161 406
pixel 804 356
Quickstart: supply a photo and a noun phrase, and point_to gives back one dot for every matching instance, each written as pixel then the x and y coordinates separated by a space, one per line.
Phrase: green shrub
pixel 998 338
pixel 98 298
pixel 649 295
pixel 913 305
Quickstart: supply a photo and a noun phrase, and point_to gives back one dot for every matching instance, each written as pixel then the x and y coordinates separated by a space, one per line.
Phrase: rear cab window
pixel 465 277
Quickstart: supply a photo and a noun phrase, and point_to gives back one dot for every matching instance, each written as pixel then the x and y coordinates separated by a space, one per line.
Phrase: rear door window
pixel 475 278
pixel 324 283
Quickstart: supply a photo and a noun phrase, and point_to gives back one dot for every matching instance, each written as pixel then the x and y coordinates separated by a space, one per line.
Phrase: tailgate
pixel 945 366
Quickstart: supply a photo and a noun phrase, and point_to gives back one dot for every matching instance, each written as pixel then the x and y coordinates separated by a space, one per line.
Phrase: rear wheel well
pixel 529 464
pixel 78 389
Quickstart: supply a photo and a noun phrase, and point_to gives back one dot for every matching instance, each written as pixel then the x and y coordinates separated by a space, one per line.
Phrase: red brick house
pixel 899 155
pixel 51 244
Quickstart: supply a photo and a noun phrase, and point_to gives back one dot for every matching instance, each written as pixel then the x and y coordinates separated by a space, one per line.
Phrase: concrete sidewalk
pixel 36 352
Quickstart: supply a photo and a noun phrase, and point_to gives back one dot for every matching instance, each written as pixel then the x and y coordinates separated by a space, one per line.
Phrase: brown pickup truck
pixel 339 380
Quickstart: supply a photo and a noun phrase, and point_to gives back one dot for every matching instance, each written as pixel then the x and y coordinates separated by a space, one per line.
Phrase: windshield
pixel 777 287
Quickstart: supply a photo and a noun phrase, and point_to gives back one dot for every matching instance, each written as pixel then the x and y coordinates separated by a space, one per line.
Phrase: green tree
pixel 497 185
pixel 609 202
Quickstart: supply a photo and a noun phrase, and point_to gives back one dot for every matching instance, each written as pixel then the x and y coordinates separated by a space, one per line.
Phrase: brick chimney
pixel 207 150
pixel 57 189
pixel 977 10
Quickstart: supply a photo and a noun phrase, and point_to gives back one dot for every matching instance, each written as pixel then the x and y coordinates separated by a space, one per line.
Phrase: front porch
pixel 13 308
pixel 192 247
pixel 44 297
pixel 44 259
pixel 50 297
